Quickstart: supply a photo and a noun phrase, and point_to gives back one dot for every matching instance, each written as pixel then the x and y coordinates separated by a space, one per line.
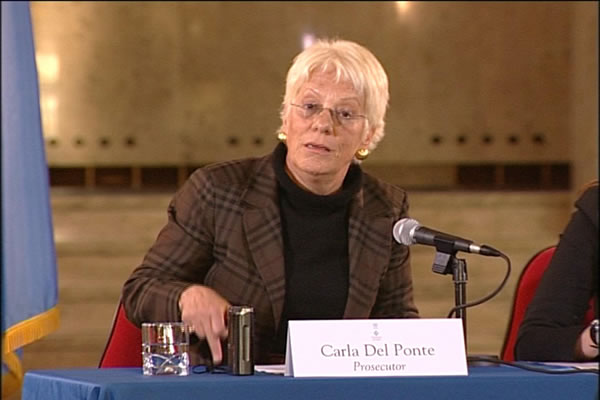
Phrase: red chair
pixel 124 346
pixel 526 286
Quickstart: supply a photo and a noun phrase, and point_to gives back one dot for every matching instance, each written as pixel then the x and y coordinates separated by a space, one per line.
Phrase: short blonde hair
pixel 350 61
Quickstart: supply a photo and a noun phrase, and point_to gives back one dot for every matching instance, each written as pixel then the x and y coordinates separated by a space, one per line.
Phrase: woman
pixel 553 328
pixel 301 233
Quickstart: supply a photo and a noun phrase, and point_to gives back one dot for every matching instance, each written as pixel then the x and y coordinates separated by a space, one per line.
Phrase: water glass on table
pixel 165 348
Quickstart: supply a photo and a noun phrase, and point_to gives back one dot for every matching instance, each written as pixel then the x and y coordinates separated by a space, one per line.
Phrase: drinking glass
pixel 165 348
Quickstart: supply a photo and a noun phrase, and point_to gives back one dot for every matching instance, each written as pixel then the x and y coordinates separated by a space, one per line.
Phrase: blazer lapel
pixel 369 251
pixel 262 228
pixel 369 247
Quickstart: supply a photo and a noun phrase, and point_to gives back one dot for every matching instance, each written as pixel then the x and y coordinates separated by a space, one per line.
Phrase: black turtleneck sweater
pixel 315 240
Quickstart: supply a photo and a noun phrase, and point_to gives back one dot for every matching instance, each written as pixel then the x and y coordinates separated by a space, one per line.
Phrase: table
pixel 483 382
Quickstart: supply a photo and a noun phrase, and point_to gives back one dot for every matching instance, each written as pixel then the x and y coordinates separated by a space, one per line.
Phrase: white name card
pixel 375 347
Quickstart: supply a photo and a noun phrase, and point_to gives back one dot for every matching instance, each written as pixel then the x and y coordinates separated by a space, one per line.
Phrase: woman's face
pixel 320 146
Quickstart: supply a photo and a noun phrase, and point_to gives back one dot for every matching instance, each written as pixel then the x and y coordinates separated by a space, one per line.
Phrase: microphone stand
pixel 445 263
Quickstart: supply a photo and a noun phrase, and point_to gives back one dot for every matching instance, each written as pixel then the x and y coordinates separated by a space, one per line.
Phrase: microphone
pixel 408 231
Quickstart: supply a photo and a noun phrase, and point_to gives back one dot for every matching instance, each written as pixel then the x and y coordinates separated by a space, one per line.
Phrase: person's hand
pixel 585 348
pixel 204 311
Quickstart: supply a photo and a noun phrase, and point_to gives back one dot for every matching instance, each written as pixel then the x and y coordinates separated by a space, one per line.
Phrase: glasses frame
pixel 334 114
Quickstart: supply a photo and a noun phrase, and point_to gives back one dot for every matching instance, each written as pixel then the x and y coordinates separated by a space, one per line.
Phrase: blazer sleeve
pixel 181 255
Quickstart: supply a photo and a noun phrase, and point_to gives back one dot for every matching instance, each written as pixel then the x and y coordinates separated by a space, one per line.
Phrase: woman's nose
pixel 324 121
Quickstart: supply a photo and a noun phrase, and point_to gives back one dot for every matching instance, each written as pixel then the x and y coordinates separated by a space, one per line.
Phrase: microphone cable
pixel 489 296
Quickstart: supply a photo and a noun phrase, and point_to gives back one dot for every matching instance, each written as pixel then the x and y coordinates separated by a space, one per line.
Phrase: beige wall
pixel 584 94
pixel 198 82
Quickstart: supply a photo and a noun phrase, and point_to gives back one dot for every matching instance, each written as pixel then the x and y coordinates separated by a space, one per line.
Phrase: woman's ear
pixel 368 137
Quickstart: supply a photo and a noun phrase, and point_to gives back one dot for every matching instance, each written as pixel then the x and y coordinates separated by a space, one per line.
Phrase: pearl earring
pixel 282 137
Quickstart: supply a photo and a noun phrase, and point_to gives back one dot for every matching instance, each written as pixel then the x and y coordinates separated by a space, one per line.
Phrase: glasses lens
pixel 311 110
pixel 345 116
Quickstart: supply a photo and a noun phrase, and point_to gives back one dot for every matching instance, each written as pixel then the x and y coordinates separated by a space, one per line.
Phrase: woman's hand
pixel 204 311
pixel 585 348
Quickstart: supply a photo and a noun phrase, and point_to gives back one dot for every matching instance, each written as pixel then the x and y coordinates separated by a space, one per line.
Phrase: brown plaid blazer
pixel 224 231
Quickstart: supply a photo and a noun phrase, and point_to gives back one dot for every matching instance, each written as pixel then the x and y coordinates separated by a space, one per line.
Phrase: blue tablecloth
pixel 489 383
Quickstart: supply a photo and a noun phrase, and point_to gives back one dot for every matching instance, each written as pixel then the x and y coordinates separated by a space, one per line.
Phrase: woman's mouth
pixel 317 147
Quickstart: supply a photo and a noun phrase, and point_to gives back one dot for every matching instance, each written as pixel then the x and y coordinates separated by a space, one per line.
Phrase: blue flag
pixel 29 278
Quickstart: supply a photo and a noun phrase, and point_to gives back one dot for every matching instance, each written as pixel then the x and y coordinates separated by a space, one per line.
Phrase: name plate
pixel 375 347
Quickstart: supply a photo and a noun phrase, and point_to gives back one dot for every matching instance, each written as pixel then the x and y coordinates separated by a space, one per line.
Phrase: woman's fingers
pixel 204 311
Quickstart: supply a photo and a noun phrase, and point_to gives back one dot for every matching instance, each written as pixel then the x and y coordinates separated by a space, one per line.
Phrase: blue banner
pixel 29 277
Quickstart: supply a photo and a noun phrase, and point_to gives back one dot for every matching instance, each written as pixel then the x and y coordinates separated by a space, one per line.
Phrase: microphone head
pixel 404 230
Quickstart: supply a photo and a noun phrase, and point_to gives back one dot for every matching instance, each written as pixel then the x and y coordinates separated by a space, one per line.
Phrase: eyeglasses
pixel 340 116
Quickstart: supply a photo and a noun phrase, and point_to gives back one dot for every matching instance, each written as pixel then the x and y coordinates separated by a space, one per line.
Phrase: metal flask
pixel 240 353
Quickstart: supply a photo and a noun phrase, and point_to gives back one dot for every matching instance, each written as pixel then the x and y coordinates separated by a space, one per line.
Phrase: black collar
pixel 299 197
